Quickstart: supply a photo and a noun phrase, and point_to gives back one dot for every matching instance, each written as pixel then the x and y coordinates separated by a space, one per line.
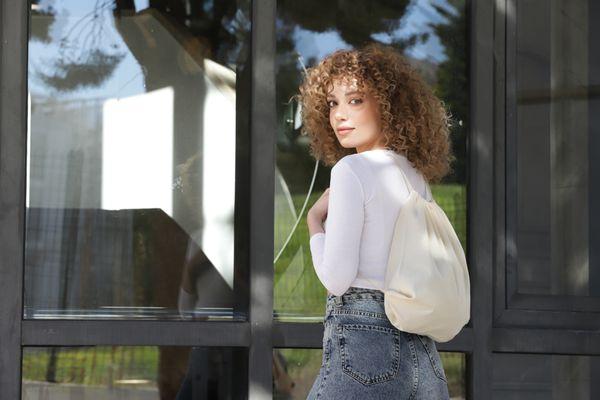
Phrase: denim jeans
pixel 366 357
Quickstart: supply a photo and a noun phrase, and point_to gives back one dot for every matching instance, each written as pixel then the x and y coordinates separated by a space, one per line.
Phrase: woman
pixel 370 115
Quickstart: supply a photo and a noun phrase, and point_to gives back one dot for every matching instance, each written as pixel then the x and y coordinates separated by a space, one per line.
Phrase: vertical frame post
pixel 481 195
pixel 13 141
pixel 262 183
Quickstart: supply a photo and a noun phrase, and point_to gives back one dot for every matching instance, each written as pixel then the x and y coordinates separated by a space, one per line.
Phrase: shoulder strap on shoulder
pixel 428 189
pixel 404 177
pixel 410 187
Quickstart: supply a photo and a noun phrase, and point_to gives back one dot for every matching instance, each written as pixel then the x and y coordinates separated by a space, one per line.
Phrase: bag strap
pixel 428 191
pixel 410 186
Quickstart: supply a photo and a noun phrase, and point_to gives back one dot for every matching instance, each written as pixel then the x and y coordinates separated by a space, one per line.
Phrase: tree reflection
pixel 355 21
pixel 89 52
pixel 45 13
pixel 92 71
pixel 86 55
pixel 452 80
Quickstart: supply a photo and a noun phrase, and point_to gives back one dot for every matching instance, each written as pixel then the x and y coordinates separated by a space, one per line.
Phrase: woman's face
pixel 354 116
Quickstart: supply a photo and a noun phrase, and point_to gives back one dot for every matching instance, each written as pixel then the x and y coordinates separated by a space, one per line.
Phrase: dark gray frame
pixel 13 101
pixel 561 306
pixel 500 322
pixel 560 312
pixel 480 206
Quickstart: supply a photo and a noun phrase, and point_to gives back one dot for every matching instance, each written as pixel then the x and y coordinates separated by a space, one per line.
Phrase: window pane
pixel 544 376
pixel 295 370
pixel 433 37
pixel 113 372
pixel 132 158
pixel 557 147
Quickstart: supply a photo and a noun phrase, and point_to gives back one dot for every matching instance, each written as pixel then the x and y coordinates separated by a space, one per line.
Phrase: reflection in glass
pixel 557 148
pixel 136 373
pixel 132 158
pixel 544 376
pixel 433 37
pixel 295 370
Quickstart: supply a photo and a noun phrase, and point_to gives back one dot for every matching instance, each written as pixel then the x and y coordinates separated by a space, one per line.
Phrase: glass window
pixel 114 372
pixel 132 158
pixel 295 370
pixel 433 35
pixel 544 376
pixel 557 169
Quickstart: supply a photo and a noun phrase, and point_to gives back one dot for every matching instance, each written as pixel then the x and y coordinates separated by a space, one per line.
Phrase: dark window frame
pixel 494 327
pixel 511 307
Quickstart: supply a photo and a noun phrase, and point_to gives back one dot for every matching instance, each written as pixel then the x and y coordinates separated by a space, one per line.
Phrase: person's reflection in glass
pixel 283 384
pixel 202 286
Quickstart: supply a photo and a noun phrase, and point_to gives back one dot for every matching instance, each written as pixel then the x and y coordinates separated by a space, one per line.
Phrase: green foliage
pixel 93 366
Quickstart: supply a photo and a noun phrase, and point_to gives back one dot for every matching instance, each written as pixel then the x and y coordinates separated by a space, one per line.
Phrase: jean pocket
pixel 370 354
pixel 434 356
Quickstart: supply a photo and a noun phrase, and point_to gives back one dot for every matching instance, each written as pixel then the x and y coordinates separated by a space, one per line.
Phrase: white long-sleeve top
pixel 366 193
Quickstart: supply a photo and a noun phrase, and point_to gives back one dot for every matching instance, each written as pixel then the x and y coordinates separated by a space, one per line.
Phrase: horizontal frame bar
pixel 188 333
pixel 310 336
pixel 545 341
pixel 565 303
pixel 512 318
pixel 135 333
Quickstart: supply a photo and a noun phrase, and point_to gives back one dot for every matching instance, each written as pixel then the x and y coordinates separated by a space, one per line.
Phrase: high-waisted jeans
pixel 366 357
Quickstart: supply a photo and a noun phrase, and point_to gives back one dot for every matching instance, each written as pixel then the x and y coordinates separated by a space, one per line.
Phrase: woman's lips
pixel 344 131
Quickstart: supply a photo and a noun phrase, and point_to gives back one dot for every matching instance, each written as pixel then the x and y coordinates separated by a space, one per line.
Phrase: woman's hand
pixel 319 209
pixel 317 213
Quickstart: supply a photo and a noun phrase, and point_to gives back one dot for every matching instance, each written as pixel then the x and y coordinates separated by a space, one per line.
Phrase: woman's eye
pixel 357 101
pixel 331 103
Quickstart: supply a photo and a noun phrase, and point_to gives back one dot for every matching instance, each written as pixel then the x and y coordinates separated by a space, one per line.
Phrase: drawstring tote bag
pixel 427 288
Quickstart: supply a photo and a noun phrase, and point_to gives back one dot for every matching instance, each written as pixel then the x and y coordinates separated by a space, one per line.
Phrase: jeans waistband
pixel 355 293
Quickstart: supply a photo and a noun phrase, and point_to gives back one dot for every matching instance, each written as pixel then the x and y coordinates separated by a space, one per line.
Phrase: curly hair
pixel 414 122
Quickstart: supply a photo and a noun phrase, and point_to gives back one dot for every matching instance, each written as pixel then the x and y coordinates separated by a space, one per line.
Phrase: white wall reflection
pixel 218 169
pixel 137 151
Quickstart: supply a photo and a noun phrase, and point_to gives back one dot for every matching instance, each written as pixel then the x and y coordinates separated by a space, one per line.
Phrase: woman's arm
pixel 335 254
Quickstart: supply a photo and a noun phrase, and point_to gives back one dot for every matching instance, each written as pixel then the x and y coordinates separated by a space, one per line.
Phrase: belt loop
pixel 338 301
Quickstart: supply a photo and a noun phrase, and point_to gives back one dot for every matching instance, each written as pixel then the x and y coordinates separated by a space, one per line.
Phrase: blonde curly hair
pixel 414 122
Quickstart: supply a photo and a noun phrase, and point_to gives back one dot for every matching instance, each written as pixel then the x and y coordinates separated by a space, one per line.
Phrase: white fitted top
pixel 366 193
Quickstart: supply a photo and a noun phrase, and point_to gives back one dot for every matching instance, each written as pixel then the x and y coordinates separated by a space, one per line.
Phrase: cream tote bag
pixel 427 288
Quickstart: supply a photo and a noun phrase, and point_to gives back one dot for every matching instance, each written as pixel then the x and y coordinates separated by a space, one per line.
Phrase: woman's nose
pixel 340 114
